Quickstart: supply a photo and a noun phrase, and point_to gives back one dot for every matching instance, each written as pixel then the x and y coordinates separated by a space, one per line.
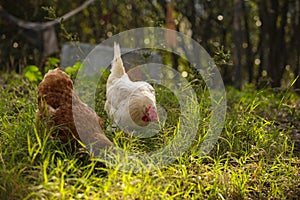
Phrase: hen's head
pixel 142 110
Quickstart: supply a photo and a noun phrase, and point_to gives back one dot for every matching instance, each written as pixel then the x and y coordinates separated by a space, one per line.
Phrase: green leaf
pixel 53 61
pixel 72 71
pixel 33 74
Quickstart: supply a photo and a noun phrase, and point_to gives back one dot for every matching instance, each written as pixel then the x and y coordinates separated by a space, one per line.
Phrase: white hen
pixel 131 105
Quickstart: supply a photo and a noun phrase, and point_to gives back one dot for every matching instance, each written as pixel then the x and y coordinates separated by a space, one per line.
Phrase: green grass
pixel 254 158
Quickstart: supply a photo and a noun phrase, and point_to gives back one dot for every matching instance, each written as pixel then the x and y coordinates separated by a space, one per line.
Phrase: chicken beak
pixel 154 118
pixel 153 115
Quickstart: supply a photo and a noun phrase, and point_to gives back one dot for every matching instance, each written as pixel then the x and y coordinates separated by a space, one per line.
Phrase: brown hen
pixel 59 105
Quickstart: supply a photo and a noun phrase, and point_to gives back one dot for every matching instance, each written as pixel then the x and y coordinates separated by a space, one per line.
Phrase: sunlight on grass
pixel 254 158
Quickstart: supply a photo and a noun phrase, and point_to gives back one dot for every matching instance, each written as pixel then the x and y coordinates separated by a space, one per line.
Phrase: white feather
pixel 123 95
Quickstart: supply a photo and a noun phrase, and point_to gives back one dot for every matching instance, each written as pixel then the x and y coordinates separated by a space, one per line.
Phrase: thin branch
pixel 41 25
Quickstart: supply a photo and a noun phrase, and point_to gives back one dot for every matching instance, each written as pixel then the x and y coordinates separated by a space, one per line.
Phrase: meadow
pixel 256 156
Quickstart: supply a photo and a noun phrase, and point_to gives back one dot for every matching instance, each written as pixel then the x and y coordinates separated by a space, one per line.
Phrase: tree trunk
pixel 249 53
pixel 295 44
pixel 277 58
pixel 237 55
pixel 274 20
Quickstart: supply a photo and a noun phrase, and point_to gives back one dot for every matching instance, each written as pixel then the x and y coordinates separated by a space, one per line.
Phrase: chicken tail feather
pixel 117 68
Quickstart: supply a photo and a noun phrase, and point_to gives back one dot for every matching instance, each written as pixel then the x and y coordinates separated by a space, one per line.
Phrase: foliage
pixel 269 28
pixel 222 57
pixel 33 74
pixel 72 71
pixel 51 63
pixel 254 158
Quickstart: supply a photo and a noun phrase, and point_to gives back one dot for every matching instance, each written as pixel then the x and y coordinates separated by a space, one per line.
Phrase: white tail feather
pixel 117 68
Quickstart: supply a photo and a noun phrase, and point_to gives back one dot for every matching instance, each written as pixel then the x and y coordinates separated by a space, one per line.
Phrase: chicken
pixel 131 105
pixel 59 107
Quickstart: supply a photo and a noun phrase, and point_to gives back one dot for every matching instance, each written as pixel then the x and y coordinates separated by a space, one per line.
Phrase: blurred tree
pixel 238 39
pixel 274 40
pixel 265 32
pixel 249 60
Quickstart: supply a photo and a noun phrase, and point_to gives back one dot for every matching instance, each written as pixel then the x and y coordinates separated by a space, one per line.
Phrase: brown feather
pixel 58 105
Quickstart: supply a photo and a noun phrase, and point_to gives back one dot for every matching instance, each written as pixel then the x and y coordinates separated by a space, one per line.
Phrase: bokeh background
pixel 252 41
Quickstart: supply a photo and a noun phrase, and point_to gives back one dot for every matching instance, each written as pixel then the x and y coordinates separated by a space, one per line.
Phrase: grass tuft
pixel 256 156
